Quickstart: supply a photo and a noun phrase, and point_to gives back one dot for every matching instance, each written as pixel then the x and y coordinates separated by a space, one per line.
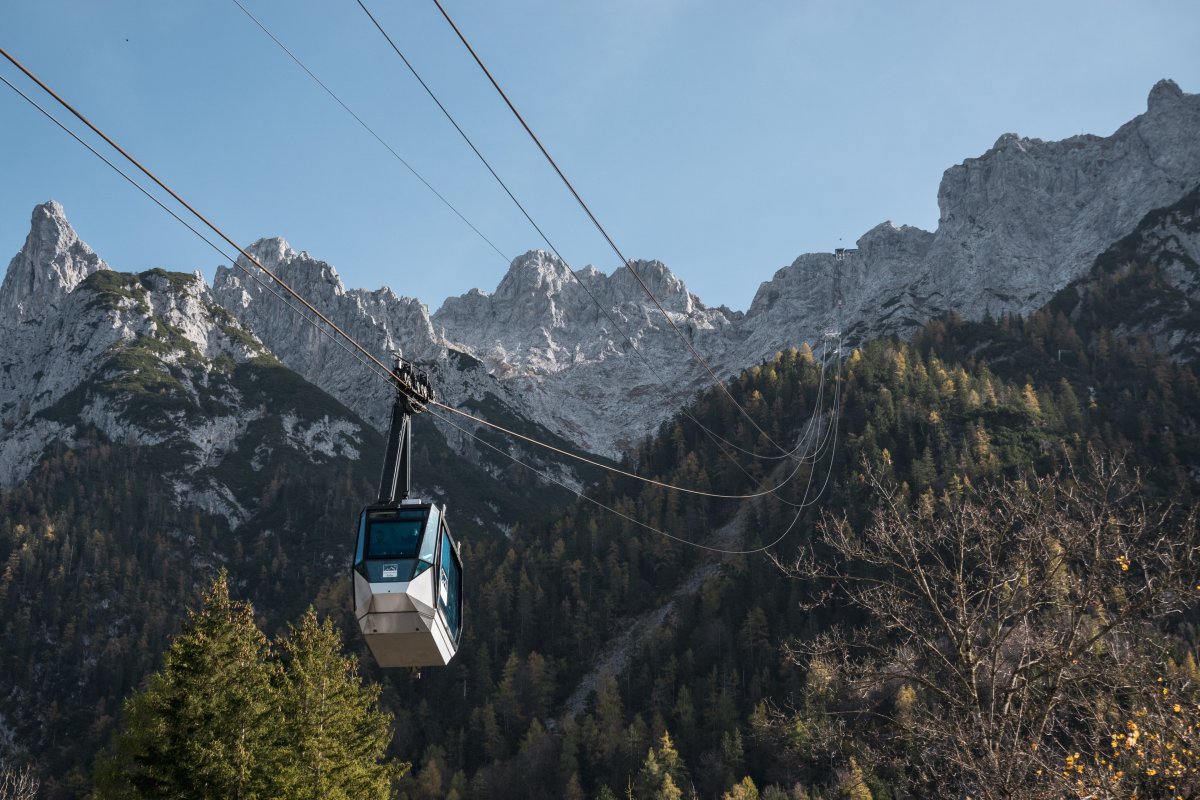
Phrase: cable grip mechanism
pixel 414 393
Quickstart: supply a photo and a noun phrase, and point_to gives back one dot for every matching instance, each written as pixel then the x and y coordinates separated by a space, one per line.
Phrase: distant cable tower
pixel 837 298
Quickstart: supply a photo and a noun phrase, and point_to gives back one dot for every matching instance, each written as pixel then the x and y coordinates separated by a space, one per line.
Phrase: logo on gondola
pixel 444 587
pixel 391 570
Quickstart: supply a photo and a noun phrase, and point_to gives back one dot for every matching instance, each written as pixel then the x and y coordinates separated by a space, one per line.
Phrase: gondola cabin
pixel 407 571
pixel 408 584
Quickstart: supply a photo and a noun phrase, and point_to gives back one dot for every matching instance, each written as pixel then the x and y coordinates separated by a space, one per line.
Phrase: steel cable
pixel 391 42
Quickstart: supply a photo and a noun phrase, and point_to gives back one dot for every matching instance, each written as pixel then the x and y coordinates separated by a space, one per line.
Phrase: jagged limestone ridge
pixel 151 360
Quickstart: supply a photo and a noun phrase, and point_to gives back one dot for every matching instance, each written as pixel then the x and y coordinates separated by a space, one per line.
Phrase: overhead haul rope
pixel 369 129
pixel 574 274
pixel 585 460
pixel 347 337
pixel 612 244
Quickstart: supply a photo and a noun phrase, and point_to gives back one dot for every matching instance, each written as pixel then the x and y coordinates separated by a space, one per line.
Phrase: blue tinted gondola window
pixel 450 588
pixel 395 538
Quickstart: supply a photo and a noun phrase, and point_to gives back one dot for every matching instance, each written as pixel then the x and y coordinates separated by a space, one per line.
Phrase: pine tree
pixel 336 736
pixel 207 724
pixel 663 774
pixel 226 718
pixel 744 790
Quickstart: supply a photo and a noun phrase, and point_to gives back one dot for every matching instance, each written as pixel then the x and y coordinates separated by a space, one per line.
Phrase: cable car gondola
pixel 407 569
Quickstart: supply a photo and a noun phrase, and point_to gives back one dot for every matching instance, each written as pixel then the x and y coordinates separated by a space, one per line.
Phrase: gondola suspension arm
pixel 414 393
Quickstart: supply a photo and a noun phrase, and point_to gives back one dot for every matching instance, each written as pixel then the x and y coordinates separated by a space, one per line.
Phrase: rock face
pixel 539 345
pixel 39 281
pixel 49 267
pixel 380 319
pixel 1157 267
pixel 147 359
pixel 574 351
pixel 1017 224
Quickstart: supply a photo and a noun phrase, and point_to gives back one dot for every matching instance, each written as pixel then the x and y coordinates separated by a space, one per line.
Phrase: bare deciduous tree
pixel 1005 629
pixel 18 784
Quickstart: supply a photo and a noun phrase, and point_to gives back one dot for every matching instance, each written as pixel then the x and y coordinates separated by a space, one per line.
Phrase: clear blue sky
pixel 724 138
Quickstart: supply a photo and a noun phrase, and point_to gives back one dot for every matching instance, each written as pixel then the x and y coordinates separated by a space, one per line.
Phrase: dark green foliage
pixel 158 279
pixel 962 403
pixel 98 562
pixel 98 559
pixel 336 738
pixel 112 287
pixel 226 718
pixel 95 577
pixel 208 724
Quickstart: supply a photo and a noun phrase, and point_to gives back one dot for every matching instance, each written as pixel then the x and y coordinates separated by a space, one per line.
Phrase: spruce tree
pixel 335 736
pixel 226 717
pixel 206 725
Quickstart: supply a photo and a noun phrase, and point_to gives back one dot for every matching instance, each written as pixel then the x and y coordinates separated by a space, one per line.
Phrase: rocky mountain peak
pixel 888 239
pixel 278 256
pixel 50 265
pixel 272 251
pixel 1165 94
pixel 313 279
pixel 663 283
pixel 535 272
pixel 1006 139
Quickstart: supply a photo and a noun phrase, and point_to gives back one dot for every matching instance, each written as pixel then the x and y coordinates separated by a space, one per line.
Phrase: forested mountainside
pixel 961 407
pixel 184 447
pixel 705 667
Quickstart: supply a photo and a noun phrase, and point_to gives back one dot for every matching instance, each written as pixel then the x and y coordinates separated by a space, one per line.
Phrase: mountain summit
pixel 49 267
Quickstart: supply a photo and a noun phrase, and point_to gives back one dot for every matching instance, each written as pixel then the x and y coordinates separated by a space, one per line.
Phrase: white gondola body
pixel 407 585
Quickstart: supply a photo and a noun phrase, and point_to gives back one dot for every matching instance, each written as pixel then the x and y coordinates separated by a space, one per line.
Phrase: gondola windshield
pixel 394 534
